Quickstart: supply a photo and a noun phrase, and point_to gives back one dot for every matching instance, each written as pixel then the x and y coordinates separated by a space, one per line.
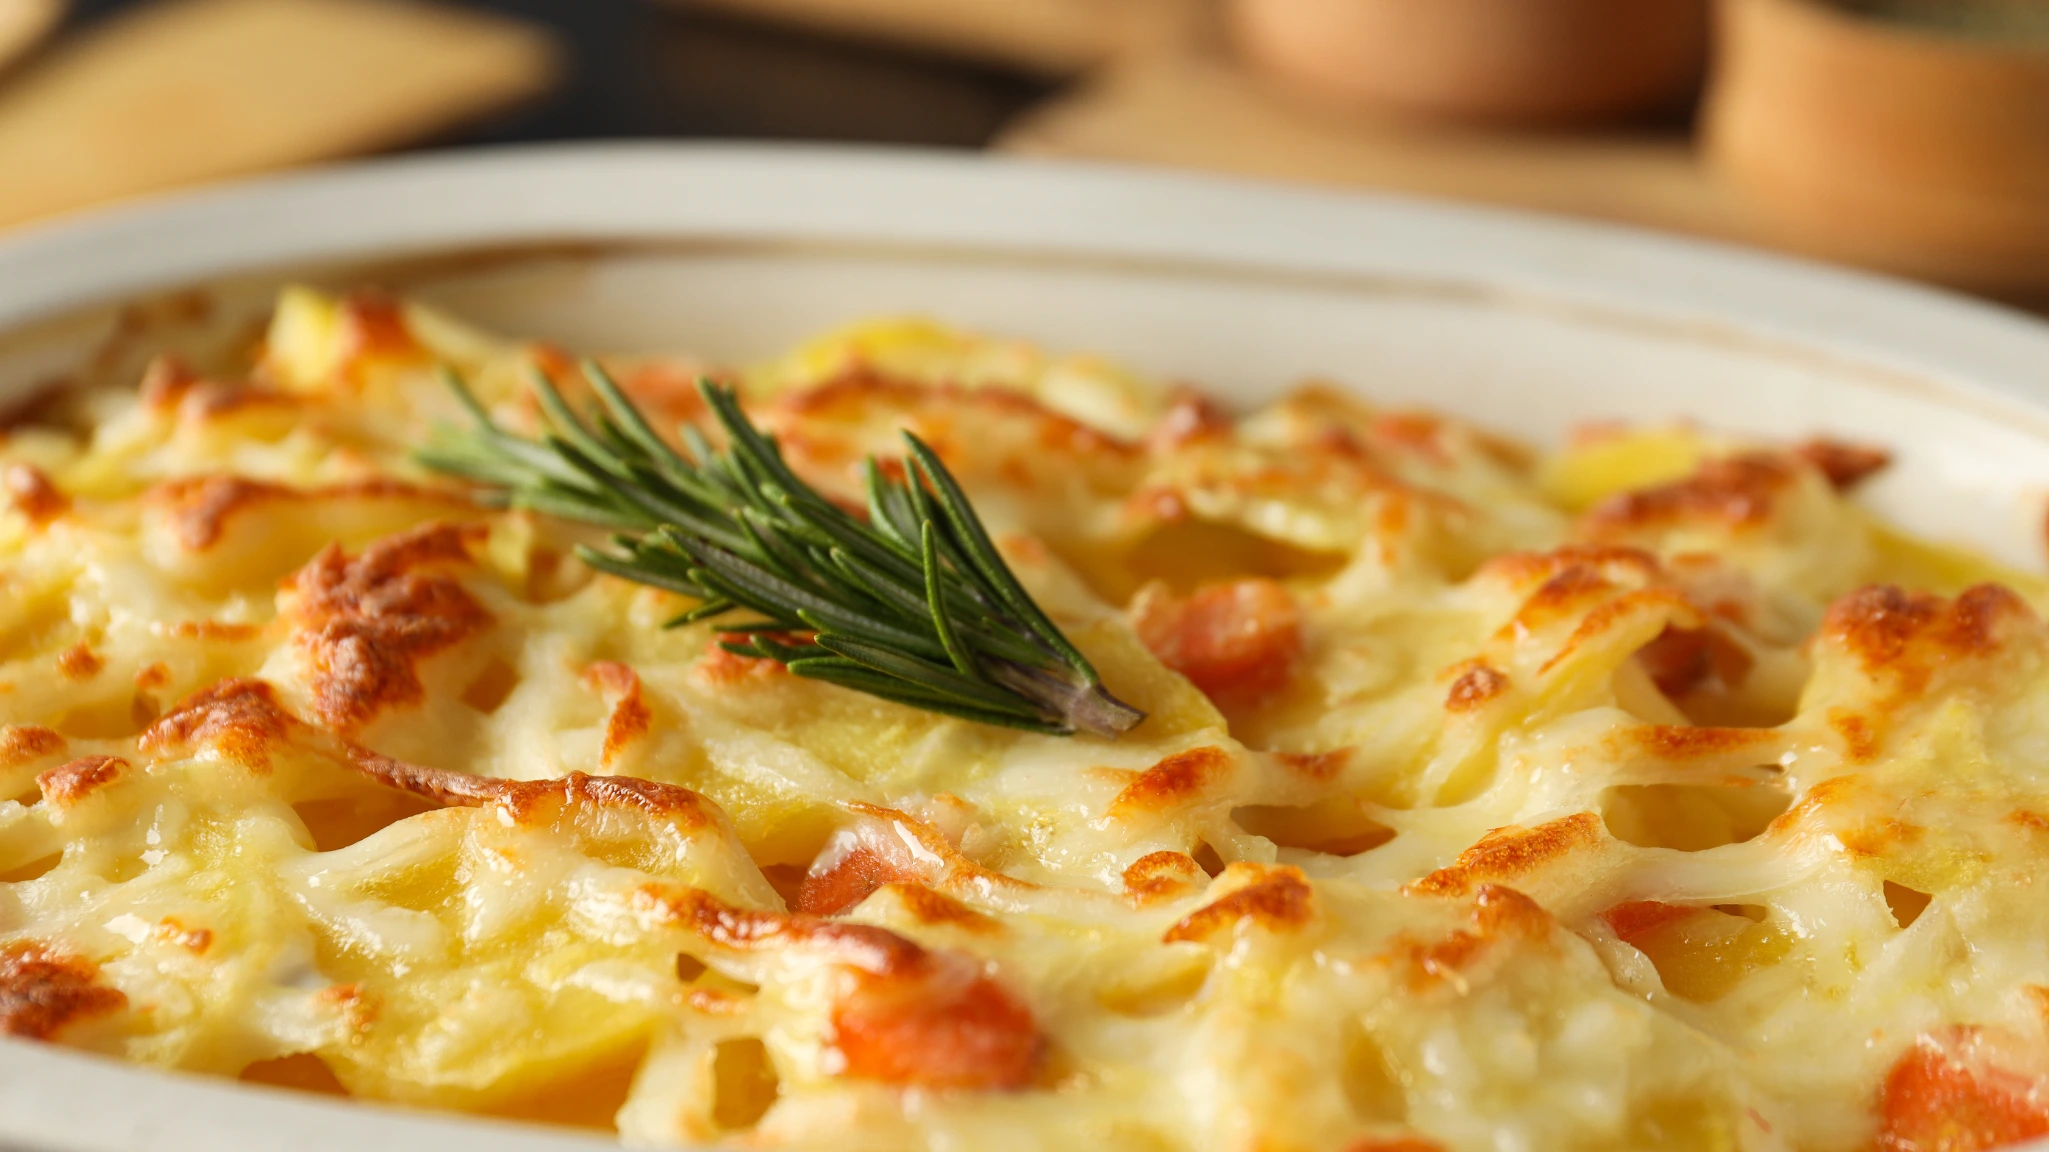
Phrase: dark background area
pixel 641 68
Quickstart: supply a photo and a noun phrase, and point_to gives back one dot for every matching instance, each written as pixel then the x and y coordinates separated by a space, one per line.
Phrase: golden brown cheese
pixel 1649 794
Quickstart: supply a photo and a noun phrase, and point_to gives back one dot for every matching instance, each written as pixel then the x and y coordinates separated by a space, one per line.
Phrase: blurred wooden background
pixel 104 99
pixel 477 72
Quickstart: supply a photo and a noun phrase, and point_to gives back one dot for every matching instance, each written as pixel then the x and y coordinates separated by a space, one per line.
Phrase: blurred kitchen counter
pixel 1142 81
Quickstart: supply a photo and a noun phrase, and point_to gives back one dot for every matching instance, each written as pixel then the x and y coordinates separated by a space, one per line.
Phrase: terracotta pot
pixel 1501 61
pixel 1876 143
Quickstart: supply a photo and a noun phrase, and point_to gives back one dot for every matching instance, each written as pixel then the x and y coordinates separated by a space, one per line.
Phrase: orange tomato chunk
pixel 1630 921
pixel 1236 642
pixel 944 1024
pixel 854 878
pixel 1950 1093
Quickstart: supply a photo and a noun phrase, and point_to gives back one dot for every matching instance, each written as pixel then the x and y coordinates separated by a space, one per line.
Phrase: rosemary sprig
pixel 912 604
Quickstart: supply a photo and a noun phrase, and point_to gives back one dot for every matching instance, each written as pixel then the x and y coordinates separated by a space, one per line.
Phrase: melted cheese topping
pixel 1649 794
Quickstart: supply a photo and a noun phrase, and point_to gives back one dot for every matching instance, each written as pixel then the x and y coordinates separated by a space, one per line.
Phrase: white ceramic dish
pixel 1529 325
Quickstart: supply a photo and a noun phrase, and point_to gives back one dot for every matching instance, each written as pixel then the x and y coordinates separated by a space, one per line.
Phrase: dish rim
pixel 614 193
pixel 640 194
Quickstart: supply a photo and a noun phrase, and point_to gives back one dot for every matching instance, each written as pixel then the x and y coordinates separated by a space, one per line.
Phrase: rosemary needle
pixel 912 604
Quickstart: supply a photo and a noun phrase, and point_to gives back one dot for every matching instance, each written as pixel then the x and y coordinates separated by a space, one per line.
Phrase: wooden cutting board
pixel 1164 92
pixel 1049 37
pixel 184 91
pixel 1189 106
pixel 1195 109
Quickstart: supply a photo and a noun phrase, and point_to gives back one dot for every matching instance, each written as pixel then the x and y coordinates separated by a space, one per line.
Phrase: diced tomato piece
pixel 1630 921
pixel 946 1024
pixel 850 880
pixel 1952 1093
pixel 1237 642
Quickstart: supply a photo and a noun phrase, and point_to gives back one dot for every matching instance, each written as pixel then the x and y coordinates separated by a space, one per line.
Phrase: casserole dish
pixel 1523 325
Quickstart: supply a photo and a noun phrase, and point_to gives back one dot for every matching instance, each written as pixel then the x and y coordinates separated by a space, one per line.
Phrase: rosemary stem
pixel 912 604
